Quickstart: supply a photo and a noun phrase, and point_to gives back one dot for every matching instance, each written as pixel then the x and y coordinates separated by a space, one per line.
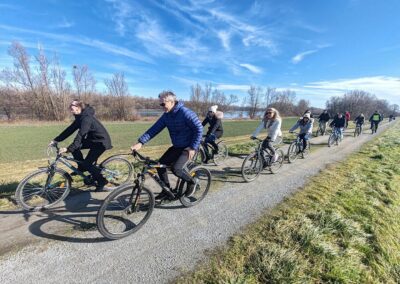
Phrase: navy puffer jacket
pixel 184 127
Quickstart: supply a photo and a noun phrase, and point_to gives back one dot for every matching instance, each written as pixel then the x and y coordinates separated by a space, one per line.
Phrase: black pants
pixel 176 158
pixel 88 163
pixel 267 144
pixel 376 123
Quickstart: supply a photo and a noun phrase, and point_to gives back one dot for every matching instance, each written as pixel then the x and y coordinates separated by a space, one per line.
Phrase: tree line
pixel 36 88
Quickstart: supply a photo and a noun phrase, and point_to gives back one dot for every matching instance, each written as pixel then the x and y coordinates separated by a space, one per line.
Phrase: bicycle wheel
pixel 252 167
pixel 124 211
pixel 202 178
pixel 43 189
pixel 292 152
pixel 200 156
pixel 117 170
pixel 276 166
pixel 307 150
pixel 222 153
pixel 331 139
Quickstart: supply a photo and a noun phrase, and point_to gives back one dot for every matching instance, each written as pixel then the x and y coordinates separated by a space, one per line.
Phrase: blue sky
pixel 317 48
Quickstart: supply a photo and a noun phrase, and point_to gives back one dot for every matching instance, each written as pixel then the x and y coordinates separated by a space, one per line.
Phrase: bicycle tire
pixel 116 174
pixel 201 188
pixel 307 150
pixel 331 139
pixel 119 199
pixel 276 166
pixel 222 153
pixel 256 165
pixel 292 152
pixel 19 193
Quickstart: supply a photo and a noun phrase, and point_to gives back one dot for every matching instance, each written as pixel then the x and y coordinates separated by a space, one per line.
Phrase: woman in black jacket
pixel 91 135
pixel 215 130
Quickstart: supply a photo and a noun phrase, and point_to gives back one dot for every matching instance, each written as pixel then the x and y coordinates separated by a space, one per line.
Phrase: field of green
pixel 29 142
pixel 343 227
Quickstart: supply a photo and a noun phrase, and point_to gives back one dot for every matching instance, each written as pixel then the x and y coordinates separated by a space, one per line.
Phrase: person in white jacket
pixel 272 122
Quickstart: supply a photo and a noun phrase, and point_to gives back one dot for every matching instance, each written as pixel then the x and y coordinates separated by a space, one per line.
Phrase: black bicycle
pixel 127 209
pixel 297 149
pixel 217 156
pixel 321 128
pixel 50 185
pixel 358 130
pixel 260 159
pixel 335 137
pixel 374 127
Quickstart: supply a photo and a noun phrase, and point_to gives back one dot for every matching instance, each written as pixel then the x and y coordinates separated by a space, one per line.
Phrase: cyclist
pixel 272 122
pixel 91 135
pixel 338 123
pixel 375 119
pixel 185 130
pixel 215 130
pixel 347 117
pixel 306 125
pixel 359 121
pixel 323 118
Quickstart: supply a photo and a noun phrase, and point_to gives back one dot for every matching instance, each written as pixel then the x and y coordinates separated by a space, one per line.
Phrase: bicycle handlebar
pixel 142 158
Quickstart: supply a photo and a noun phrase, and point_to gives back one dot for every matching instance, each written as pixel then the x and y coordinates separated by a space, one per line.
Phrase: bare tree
pixel 254 100
pixel 118 90
pixel 302 106
pixel 270 96
pixel 85 83
pixel 196 98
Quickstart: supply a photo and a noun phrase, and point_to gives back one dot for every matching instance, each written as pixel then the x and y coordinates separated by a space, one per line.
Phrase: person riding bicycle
pixel 272 122
pixel 375 119
pixel 91 135
pixel 306 125
pixel 359 121
pixel 323 119
pixel 215 130
pixel 338 123
pixel 347 118
pixel 185 131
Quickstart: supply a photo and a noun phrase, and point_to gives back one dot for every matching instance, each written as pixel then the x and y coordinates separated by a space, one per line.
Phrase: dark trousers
pixel 88 163
pixel 267 144
pixel 176 158
pixel 210 139
pixel 376 124
pixel 304 137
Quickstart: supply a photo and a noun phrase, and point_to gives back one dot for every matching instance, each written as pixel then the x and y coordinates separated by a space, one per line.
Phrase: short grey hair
pixel 168 96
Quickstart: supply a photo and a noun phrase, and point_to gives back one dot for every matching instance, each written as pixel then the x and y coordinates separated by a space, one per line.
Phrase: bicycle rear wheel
pixel 277 165
pixel 117 170
pixel 252 167
pixel 124 211
pixel 222 153
pixel 292 152
pixel 202 178
pixel 43 189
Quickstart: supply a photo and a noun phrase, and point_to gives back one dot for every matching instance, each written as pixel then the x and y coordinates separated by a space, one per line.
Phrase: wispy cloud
pixel 122 12
pixel 225 37
pixel 65 24
pixel 300 56
pixel 252 68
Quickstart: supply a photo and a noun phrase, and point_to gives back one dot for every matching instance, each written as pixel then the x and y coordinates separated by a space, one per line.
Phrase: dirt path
pixel 64 245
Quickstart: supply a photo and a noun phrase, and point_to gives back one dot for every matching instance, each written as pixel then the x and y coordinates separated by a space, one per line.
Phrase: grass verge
pixel 343 227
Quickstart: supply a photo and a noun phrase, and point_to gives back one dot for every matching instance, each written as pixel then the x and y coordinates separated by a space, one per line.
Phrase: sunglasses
pixel 269 112
pixel 162 104
pixel 72 105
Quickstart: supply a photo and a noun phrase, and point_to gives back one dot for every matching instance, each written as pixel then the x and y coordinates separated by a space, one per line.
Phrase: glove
pixel 253 137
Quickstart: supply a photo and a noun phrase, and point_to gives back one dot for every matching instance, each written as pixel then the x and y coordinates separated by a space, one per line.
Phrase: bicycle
pixel 50 185
pixel 260 159
pixel 374 127
pixel 335 137
pixel 127 209
pixel 296 149
pixel 216 157
pixel 321 128
pixel 357 130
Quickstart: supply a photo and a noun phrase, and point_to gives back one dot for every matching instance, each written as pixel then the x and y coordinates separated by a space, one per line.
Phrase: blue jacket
pixel 184 127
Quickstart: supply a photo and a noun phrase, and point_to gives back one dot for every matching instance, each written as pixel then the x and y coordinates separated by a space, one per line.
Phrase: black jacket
pixel 91 131
pixel 215 126
pixel 338 122
pixel 359 120
pixel 324 117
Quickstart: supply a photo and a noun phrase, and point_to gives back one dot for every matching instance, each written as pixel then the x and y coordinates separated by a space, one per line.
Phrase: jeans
pixel 267 144
pixel 304 137
pixel 339 131
pixel 322 126
pixel 210 139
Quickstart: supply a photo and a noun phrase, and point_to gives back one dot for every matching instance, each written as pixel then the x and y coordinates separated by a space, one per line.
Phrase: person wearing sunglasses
pixel 185 131
pixel 272 122
pixel 91 135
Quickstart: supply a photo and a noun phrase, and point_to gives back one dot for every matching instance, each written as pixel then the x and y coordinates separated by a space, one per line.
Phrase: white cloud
pixel 232 87
pixel 299 57
pixel 225 39
pixel 123 10
pixel 252 68
pixel 65 24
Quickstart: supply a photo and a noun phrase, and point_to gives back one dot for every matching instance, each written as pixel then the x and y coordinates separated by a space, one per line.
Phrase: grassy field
pixel 28 142
pixel 346 231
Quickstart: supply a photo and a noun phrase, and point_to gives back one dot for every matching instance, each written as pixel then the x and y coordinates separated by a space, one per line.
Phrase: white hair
pixel 167 96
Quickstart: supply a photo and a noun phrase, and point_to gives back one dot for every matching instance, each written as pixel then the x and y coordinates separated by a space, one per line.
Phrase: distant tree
pixel 118 90
pixel 254 100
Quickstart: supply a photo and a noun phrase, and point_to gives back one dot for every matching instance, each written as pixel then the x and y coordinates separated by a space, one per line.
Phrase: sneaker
pixel 100 185
pixel 275 158
pixel 190 188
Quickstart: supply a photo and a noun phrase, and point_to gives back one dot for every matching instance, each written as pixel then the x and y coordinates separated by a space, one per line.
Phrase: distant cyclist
pixel 324 117
pixel 375 119
pixel 338 123
pixel 347 117
pixel 272 122
pixel 215 130
pixel 305 124
pixel 91 135
pixel 359 121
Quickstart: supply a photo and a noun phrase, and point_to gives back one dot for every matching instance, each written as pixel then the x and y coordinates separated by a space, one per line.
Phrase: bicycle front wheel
pixel 202 179
pixel 43 189
pixel 331 140
pixel 292 152
pixel 277 165
pixel 117 171
pixel 222 153
pixel 307 150
pixel 124 211
pixel 252 167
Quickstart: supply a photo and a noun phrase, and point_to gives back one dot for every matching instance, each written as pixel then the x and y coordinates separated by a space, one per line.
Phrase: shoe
pixel 215 151
pixel 275 158
pixel 190 188
pixel 100 185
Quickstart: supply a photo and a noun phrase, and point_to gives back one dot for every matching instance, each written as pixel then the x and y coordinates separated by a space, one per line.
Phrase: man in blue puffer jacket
pixel 185 130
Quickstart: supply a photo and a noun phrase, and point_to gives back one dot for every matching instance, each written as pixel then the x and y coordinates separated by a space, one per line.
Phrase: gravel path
pixel 67 248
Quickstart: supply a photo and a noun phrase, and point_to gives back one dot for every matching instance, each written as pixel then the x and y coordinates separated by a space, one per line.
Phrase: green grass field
pixel 29 142
pixel 343 227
